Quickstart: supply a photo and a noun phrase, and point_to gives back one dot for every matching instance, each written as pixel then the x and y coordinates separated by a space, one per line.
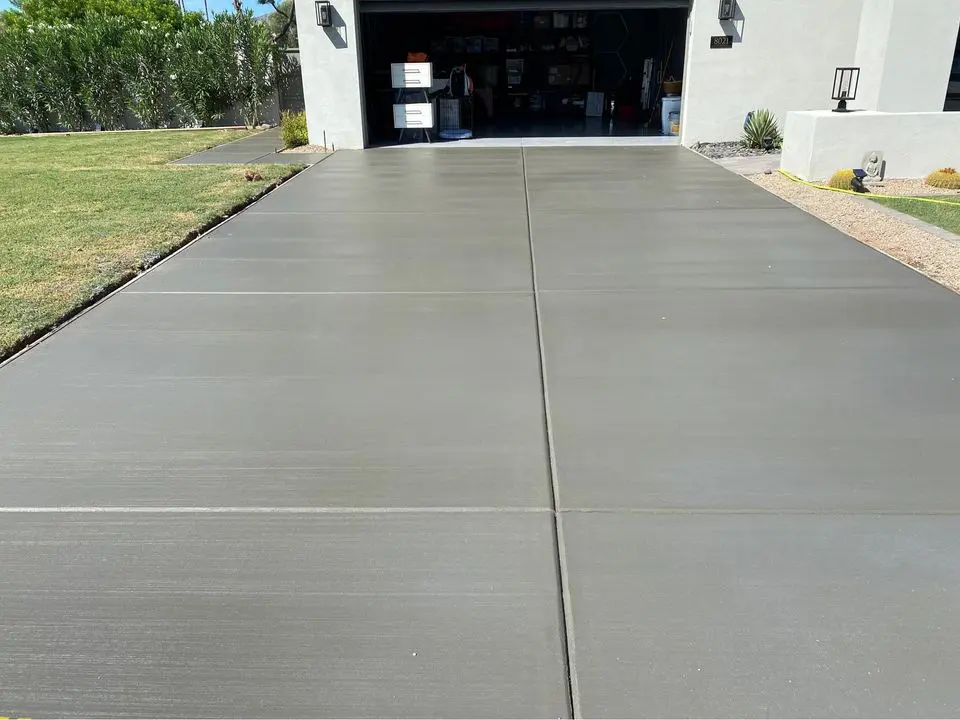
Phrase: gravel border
pixel 730 149
pixel 306 149
pixel 936 255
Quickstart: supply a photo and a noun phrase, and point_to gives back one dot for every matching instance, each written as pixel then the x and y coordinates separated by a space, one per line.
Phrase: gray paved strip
pixel 280 400
pixel 761 616
pixel 410 615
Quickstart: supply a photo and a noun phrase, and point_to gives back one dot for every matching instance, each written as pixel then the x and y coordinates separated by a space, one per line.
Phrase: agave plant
pixel 761 131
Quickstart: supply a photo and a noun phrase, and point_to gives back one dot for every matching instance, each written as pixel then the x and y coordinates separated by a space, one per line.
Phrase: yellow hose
pixel 872 195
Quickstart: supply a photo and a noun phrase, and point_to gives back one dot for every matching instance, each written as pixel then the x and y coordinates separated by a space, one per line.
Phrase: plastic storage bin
pixel 670 106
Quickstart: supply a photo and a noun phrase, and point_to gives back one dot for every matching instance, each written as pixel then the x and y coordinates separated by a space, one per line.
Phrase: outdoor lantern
pixel 728 9
pixel 324 14
pixel 845 87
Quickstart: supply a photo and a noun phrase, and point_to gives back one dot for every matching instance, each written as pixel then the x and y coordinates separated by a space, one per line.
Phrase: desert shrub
pixel 293 129
pixel 842 180
pixel 944 178
pixel 761 131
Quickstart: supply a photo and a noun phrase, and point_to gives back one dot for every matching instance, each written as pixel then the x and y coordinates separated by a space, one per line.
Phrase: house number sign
pixel 721 42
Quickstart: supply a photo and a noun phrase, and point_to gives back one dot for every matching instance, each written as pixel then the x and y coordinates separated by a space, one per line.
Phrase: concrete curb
pixel 911 220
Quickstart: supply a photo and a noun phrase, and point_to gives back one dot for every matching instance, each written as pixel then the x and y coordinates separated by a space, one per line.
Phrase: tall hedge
pixel 99 70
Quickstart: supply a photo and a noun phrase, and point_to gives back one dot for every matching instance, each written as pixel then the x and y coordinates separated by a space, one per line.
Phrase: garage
pixel 515 69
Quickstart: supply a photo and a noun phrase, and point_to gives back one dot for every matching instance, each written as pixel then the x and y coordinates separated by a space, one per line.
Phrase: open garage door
pixel 407 6
pixel 575 69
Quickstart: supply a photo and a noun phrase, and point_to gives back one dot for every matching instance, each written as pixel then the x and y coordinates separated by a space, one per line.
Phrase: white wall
pixel 905 49
pixel 817 144
pixel 783 58
pixel 332 77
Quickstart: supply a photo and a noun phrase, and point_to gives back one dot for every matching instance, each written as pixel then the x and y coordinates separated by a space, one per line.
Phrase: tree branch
pixel 288 18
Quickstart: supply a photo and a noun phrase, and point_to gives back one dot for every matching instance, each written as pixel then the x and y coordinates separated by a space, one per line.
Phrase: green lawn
pixel 945 216
pixel 80 212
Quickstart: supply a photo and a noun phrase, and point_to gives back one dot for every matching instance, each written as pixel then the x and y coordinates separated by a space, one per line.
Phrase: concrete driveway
pixel 491 433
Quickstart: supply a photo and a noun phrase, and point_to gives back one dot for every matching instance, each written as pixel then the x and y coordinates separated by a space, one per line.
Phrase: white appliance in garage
pixel 412 109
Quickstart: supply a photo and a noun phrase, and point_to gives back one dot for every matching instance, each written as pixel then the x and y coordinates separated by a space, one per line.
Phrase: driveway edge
pixel 108 290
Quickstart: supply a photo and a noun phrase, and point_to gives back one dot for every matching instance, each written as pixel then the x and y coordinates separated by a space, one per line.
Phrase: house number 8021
pixel 721 42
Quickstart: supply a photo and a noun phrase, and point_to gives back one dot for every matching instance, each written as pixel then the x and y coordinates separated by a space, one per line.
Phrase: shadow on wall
pixel 337 32
pixel 734 27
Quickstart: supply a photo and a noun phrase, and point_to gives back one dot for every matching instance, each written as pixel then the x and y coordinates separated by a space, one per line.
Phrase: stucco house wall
pixel 783 58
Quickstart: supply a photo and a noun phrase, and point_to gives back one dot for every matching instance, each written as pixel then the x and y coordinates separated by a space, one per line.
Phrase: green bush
pixel 293 129
pixel 257 64
pixel 98 69
pixel 149 77
pixel 202 63
pixel 842 179
pixel 104 68
pixel 761 131
pixel 27 95
pixel 62 75
pixel 9 99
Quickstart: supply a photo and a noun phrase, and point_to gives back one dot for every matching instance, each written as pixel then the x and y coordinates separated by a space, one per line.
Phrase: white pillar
pixel 904 50
pixel 332 69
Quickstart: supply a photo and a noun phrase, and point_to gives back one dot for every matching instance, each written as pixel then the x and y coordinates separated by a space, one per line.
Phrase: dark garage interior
pixel 533 72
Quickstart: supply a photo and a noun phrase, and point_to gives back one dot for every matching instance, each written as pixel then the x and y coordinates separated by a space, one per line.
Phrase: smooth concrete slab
pixel 738 359
pixel 610 180
pixel 244 150
pixel 700 615
pixel 760 415
pixel 403 615
pixel 345 400
pixel 433 201
pixel 751 164
pixel 700 249
pixel 292 158
pixel 354 252
pixel 825 399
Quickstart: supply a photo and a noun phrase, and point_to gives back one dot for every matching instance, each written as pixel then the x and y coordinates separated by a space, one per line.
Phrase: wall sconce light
pixel 845 83
pixel 728 9
pixel 324 13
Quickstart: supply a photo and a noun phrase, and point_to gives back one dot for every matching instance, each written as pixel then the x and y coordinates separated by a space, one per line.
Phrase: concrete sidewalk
pixel 491 432
pixel 262 148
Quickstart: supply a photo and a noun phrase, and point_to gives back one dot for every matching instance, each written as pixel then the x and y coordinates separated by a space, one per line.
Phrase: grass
pixel 944 216
pixel 79 213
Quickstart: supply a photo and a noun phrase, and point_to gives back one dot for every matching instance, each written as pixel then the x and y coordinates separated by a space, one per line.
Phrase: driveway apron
pixel 491 433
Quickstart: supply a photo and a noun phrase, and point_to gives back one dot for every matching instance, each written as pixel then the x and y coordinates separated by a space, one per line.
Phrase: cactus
pixel 842 180
pixel 946 178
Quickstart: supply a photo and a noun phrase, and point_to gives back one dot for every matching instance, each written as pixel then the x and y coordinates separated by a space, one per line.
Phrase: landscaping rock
pixel 735 148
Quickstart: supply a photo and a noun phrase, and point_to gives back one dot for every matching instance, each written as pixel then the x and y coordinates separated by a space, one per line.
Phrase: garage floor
pixel 318 463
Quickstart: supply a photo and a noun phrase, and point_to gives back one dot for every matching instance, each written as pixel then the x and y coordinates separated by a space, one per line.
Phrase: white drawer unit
pixel 413 115
pixel 411 75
